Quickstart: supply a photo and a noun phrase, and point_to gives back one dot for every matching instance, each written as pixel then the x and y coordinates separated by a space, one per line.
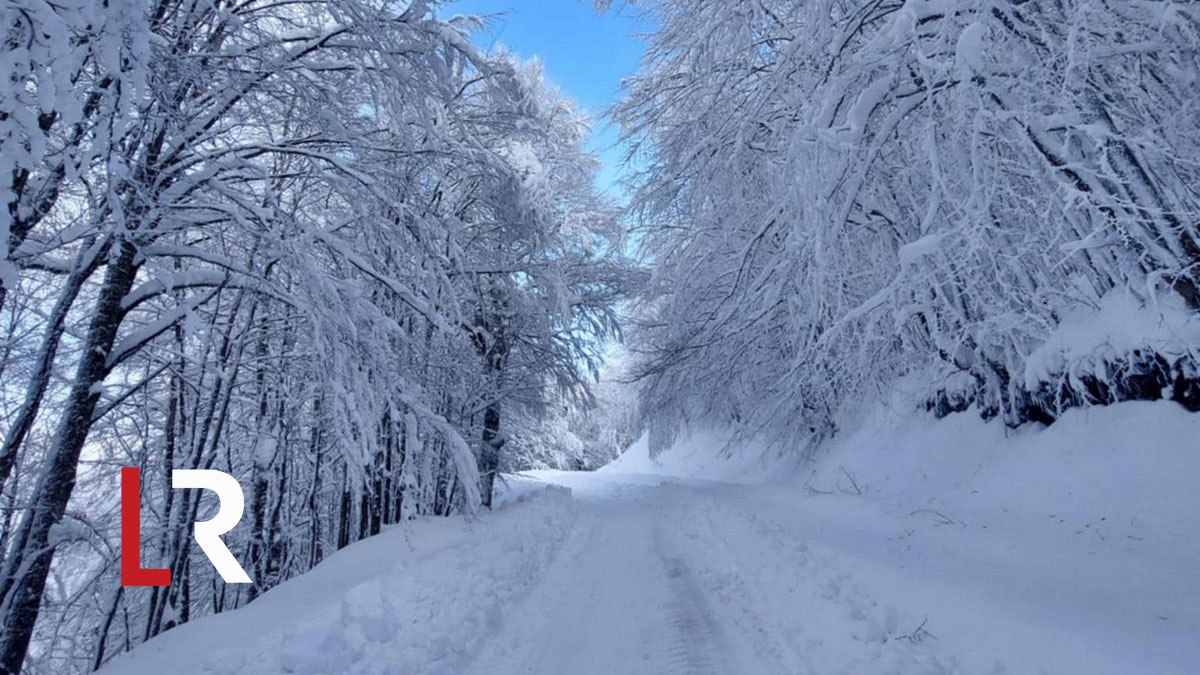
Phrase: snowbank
pixel 378 606
pixel 1066 549
pixel 1123 474
pixel 1088 342
pixel 706 455
pixel 1123 460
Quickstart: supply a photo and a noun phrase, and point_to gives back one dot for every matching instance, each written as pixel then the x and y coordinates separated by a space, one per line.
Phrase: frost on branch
pixel 334 249
pixel 838 195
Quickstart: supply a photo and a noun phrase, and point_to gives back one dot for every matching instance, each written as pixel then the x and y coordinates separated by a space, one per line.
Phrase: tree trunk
pixel 491 341
pixel 105 627
pixel 343 537
pixel 316 552
pixel 86 264
pixel 489 456
pixel 28 565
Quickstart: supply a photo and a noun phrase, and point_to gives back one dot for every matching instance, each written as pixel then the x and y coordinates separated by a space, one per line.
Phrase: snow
pixel 524 161
pixel 970 49
pixel 334 296
pixel 411 600
pixel 912 545
pixel 1068 549
pixel 1086 340
pixel 911 253
pixel 704 454
pixel 870 99
pixel 671 579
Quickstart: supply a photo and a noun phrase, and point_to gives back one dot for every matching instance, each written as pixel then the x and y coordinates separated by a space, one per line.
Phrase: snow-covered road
pixel 619 580
pixel 689 576
pixel 673 579
pixel 642 574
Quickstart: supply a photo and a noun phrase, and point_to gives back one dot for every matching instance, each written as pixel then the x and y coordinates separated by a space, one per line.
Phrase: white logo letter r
pixel 230 505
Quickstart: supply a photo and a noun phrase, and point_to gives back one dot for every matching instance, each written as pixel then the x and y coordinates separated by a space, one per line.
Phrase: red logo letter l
pixel 132 573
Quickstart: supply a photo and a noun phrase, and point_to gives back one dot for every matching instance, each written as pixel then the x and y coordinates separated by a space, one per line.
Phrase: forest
pixel 332 249
pixel 342 252
pixel 838 195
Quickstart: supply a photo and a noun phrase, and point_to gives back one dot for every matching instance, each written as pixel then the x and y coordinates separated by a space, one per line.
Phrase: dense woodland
pixel 330 248
pixel 333 248
pixel 839 195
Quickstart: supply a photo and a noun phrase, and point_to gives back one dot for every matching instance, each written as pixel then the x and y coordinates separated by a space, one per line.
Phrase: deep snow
pixel 915 546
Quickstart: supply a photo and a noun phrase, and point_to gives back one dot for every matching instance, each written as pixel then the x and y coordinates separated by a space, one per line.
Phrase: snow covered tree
pixel 837 194
pixel 321 246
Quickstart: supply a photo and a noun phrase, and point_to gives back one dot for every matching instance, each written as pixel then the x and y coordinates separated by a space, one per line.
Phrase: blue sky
pixel 583 52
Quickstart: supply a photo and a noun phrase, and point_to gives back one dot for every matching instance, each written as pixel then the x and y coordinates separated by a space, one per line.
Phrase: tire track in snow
pixel 605 605
pixel 696 643
pixel 752 643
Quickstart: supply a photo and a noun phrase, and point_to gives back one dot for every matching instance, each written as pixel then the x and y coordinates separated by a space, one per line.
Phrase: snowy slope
pixel 1070 549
